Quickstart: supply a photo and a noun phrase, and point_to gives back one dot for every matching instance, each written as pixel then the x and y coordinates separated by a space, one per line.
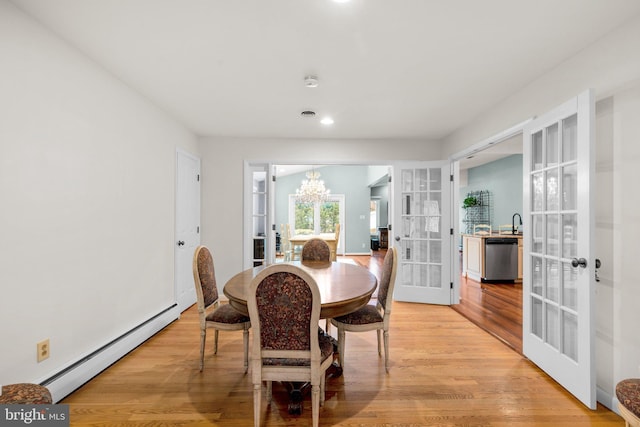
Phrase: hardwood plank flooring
pixel 445 371
pixel 494 307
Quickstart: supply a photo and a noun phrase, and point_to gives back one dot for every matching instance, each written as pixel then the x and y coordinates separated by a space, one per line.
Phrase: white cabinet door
pixel 559 282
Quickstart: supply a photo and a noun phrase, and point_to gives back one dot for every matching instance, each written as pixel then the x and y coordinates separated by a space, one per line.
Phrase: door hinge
pixel 273 227
pixel 451 284
pixel 389 227
pixel 451 178
pixel 198 177
pixel 451 231
pixel 389 178
pixel 198 229
pixel 273 178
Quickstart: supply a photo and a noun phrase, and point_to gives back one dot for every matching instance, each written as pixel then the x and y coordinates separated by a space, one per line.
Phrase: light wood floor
pixel 445 371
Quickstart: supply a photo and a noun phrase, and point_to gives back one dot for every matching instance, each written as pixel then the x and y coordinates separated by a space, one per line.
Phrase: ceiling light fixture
pixel 327 121
pixel 312 190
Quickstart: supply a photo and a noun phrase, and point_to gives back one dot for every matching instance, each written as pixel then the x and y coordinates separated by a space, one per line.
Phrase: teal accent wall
pixel 503 178
pixel 352 181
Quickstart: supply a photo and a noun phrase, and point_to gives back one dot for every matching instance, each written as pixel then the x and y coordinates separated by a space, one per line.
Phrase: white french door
pixel 421 231
pixel 558 282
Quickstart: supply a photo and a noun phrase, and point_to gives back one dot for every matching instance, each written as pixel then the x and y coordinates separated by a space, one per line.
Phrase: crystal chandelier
pixel 312 189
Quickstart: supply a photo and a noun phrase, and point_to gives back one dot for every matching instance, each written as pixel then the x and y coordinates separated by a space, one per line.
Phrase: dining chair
pixel 316 250
pixel 285 243
pixel 284 307
pixel 334 245
pixel 372 317
pixel 628 394
pixel 212 314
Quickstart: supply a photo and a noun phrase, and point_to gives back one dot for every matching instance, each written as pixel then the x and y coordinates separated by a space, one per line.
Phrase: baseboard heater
pixel 77 374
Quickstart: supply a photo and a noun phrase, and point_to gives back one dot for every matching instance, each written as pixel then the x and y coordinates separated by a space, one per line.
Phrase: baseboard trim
pixel 80 372
pixel 607 399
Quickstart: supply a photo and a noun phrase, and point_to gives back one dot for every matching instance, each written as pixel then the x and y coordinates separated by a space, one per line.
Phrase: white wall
pixel 86 202
pixel 611 66
pixel 222 180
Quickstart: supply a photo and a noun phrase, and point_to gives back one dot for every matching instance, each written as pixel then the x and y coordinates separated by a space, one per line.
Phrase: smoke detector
pixel 311 81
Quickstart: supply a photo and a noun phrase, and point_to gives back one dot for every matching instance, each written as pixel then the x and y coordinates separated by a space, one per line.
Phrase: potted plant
pixel 470 201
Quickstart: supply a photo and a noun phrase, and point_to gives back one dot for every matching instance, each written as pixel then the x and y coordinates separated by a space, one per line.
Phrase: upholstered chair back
pixel 316 250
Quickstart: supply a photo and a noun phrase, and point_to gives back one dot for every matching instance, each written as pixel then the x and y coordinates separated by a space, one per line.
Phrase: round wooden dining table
pixel 344 288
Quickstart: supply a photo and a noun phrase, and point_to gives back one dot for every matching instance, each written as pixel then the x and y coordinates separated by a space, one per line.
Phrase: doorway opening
pixel 492 168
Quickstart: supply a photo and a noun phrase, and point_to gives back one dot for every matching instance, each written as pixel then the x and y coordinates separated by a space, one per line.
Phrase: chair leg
pixel 386 350
pixel 215 345
pixel 269 391
pixel 323 378
pixel 203 339
pixel 379 333
pixel 245 338
pixel 341 337
pixel 315 404
pixel 327 326
pixel 257 395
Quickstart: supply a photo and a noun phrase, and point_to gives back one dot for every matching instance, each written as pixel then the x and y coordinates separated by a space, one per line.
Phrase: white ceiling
pixel 416 69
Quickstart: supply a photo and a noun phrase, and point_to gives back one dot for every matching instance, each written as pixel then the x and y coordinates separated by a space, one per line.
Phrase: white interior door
pixel 187 226
pixel 420 230
pixel 559 282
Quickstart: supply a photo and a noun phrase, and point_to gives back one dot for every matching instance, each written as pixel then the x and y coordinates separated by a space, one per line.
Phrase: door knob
pixel 180 242
pixel 397 238
pixel 579 262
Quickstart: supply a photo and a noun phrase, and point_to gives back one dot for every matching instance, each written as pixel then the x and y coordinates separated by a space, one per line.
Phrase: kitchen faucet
pixel 513 223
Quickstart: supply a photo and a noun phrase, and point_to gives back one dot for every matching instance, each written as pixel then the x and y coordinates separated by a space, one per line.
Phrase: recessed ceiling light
pixel 327 121
pixel 341 1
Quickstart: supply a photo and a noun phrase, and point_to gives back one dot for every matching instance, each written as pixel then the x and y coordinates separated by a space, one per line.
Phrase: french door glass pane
pixel 435 251
pixel 329 216
pixel 407 180
pixel 537 192
pixel 569 289
pixel 304 215
pixel 570 138
pixel 536 151
pixel 435 179
pixel 552 326
pixel 422 251
pixel 553 280
pixel 552 145
pixel 552 235
pixel 537 234
pixel 536 317
pixel 552 190
pixel 435 276
pixel 537 278
pixel 569 186
pixel 569 233
pixel 420 273
pixel 570 335
pixel 422 180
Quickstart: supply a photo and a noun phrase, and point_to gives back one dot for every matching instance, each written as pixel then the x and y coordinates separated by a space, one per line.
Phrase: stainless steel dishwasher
pixel 501 259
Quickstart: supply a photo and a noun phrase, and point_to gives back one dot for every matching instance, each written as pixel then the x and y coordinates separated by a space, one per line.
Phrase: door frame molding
pixel 454 159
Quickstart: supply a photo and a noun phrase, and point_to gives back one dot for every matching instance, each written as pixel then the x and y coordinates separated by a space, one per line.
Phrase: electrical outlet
pixel 43 350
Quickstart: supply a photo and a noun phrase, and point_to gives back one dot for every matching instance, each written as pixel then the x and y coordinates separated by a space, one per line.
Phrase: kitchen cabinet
pixel 520 249
pixel 474 255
